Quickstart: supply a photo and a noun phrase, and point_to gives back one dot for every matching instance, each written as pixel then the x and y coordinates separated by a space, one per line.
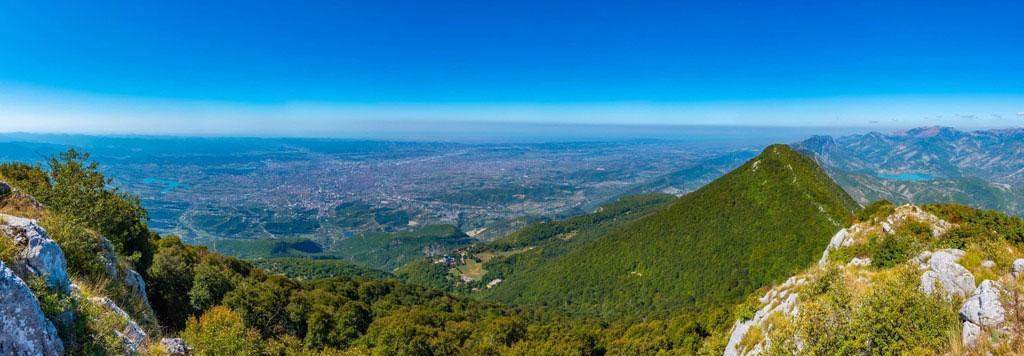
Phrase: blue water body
pixel 907 177
pixel 168 185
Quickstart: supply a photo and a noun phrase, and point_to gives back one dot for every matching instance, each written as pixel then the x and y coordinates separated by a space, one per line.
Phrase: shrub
pixel 876 210
pixel 221 331
pixel 896 318
pixel 9 251
pixel 210 284
pixel 170 279
pixel 888 251
pixel 81 246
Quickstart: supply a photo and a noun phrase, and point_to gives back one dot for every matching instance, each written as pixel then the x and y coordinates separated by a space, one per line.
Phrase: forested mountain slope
pixel 751 227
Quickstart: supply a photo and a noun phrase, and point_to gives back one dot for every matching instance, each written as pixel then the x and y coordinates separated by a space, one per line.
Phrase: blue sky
pixel 126 66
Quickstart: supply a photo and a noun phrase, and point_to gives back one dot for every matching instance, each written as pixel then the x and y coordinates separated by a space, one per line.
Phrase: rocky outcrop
pixel 944 271
pixel 24 329
pixel 175 347
pixel 132 336
pixel 905 213
pixel 983 310
pixel 40 256
pixel 780 299
pixel 133 280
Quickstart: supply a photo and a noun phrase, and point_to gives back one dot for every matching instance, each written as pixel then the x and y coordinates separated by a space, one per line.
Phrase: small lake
pixel 167 185
pixel 907 177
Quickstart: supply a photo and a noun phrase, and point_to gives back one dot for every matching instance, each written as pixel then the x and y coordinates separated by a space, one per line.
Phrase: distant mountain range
pixel 928 165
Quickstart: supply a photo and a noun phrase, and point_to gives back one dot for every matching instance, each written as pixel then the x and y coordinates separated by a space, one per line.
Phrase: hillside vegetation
pixel 752 227
pixel 942 279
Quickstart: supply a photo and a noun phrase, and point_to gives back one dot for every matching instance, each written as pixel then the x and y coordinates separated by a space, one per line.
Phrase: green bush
pixel 876 210
pixel 221 331
pixel 170 279
pixel 890 250
pixel 81 246
pixel 897 318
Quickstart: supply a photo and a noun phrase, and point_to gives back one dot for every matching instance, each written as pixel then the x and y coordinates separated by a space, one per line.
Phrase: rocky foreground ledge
pixel 979 298
pixel 30 254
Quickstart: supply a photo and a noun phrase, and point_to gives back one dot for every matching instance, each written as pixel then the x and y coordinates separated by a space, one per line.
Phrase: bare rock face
pixel 24 329
pixel 943 270
pixel 40 255
pixel 175 347
pixel 133 337
pixel 781 300
pixel 983 308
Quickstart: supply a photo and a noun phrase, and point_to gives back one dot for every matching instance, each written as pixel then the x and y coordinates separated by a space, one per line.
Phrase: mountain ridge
pixel 660 263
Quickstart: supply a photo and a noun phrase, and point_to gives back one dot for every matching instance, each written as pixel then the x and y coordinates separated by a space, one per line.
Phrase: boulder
pixel 24 329
pixel 970 334
pixel 175 346
pixel 5 188
pixel 40 255
pixel 988 264
pixel 944 270
pixel 132 336
pixel 1018 267
pixel 983 308
pixel 905 213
